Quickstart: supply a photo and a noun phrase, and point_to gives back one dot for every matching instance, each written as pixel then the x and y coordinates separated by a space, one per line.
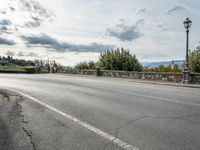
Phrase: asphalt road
pixel 82 113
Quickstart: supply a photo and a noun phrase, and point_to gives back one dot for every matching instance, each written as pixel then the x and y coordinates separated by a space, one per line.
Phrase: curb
pixel 168 84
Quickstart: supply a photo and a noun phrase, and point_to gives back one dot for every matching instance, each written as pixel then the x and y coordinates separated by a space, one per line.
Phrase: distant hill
pixel 165 63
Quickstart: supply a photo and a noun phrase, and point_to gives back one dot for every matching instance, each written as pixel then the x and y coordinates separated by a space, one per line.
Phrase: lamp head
pixel 187 23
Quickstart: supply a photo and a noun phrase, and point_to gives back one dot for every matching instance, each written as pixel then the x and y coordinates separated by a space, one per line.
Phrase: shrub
pixel 194 60
pixel 119 59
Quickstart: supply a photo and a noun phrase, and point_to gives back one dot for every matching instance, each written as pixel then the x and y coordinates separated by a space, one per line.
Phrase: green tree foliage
pixel 85 65
pixel 119 59
pixel 163 68
pixel 10 61
pixel 91 65
pixel 194 60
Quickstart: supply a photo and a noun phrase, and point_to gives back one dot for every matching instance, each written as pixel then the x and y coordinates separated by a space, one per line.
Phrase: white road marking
pixel 99 132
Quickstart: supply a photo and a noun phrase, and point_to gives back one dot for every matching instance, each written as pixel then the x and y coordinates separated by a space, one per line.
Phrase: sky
pixel 71 31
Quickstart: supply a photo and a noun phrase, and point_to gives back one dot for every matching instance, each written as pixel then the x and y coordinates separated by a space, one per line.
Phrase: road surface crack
pixel 27 132
pixel 119 128
pixel 151 117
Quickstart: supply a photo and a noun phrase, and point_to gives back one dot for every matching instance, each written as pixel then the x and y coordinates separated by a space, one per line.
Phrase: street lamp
pixel 186 73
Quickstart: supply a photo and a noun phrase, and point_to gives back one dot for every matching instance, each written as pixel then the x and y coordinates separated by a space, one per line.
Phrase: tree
pixel 82 65
pixel 86 65
pixel 91 65
pixel 10 61
pixel 162 68
pixel 119 59
pixel 194 60
pixel 8 58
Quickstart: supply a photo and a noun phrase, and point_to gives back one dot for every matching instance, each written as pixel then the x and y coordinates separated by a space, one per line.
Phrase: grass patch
pixel 16 67
pixel 27 69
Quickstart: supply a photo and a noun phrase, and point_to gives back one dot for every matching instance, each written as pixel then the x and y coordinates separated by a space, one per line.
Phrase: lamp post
pixel 186 73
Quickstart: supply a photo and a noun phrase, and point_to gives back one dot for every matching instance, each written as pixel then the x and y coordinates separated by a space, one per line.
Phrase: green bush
pixel 119 59
pixel 84 65
pixel 163 68
pixel 30 70
pixel 194 60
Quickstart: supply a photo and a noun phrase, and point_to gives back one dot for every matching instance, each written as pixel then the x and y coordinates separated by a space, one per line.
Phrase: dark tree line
pixel 10 61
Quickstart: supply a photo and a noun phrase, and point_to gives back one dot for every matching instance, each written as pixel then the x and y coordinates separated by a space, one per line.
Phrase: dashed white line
pixel 97 131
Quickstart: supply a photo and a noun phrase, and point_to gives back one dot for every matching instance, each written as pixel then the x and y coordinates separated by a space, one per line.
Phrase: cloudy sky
pixel 71 31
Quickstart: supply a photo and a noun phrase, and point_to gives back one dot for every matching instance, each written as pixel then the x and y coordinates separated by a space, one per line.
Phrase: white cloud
pixel 5 41
pixel 44 40
pixel 175 9
pixel 9 53
pixel 126 32
pixel 141 10
pixel 78 23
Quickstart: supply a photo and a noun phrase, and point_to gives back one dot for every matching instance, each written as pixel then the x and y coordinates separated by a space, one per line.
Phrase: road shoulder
pixel 26 125
pixel 12 133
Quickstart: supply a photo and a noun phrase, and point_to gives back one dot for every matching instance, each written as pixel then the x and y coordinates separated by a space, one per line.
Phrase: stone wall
pixel 79 72
pixel 170 77
pixel 195 78
pixel 173 77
